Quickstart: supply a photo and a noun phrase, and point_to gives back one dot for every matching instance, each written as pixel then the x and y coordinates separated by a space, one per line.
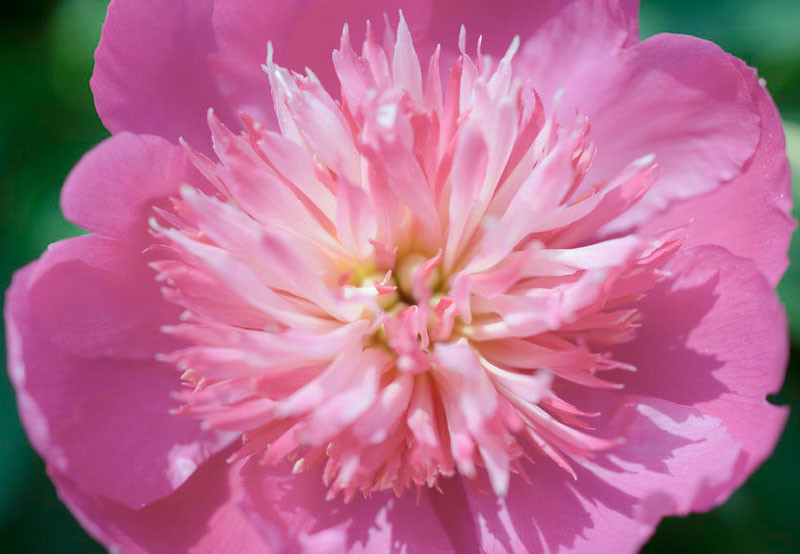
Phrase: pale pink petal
pixel 469 170
pixel 94 400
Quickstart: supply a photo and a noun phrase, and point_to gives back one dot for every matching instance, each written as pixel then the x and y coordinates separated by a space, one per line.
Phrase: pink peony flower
pixel 499 298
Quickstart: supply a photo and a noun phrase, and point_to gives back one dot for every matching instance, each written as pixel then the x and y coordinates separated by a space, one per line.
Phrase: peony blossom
pixel 487 277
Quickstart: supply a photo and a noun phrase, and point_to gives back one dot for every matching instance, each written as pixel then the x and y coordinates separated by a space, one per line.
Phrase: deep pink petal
pixel 558 36
pixel 114 187
pixel 94 401
pixel 304 32
pixel 679 98
pixel 750 216
pixel 152 72
pixel 675 456
pixel 81 293
pixel 722 352
pixel 201 516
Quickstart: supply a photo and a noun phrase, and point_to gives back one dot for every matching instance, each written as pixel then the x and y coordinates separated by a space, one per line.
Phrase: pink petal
pixel 613 506
pixel 573 38
pixel 95 403
pixel 568 32
pixel 152 73
pixel 761 231
pixel 677 97
pixel 469 170
pixel 294 506
pixel 201 516
pixel 306 31
pixel 80 296
pixel 725 349
pixel 114 187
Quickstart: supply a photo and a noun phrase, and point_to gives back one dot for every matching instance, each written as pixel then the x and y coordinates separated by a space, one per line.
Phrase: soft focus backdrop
pixel 47 121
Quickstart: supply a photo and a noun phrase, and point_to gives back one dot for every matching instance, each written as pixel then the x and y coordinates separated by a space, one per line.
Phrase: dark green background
pixel 47 121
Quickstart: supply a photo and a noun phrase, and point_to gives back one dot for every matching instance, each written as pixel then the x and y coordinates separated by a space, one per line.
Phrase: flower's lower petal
pixel 294 509
pixel 93 399
pixel 674 456
pixel 720 345
pixel 675 460
pixel 750 216
pixel 152 73
pixel 203 515
pixel 306 31
pixel 679 98
pixel 113 189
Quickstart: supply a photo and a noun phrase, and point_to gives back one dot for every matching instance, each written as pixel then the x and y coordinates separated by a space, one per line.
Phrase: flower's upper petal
pixel 561 39
pixel 675 455
pixel 93 399
pixel 202 515
pixel 304 33
pixel 676 97
pixel 722 352
pixel 114 187
pixel 152 71
pixel 294 509
pixel 750 216
pixel 565 33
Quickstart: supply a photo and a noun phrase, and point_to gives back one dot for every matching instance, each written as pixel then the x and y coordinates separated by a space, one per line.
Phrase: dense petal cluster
pixel 408 272
pixel 419 301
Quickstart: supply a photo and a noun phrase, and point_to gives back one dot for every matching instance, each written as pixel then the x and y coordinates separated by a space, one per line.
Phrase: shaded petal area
pixel 722 352
pixel 294 508
pixel 152 74
pixel 92 397
pixel 676 454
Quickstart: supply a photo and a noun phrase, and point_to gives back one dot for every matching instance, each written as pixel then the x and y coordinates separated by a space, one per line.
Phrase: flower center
pixel 419 278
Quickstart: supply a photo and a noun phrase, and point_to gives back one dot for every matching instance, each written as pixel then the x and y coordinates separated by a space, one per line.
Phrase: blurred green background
pixel 47 121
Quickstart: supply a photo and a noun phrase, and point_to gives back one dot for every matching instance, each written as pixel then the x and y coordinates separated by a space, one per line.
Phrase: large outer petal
pixel 561 40
pixel 113 188
pixel 676 456
pixel 750 216
pixel 292 510
pixel 152 72
pixel 304 33
pixel 679 98
pixel 203 515
pixel 714 338
pixel 83 329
